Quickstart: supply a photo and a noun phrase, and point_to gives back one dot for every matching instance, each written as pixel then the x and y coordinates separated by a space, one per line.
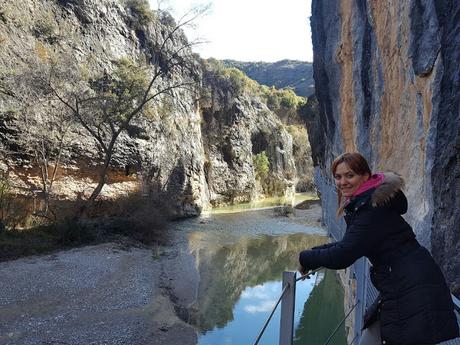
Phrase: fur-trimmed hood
pixel 391 185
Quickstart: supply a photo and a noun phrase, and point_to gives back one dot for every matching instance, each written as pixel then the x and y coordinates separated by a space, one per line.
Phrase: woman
pixel 414 306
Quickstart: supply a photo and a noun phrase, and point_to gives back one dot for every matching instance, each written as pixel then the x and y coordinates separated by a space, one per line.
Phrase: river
pixel 239 257
pixel 220 273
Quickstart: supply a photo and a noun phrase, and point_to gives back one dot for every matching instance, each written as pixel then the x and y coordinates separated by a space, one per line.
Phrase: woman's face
pixel 347 181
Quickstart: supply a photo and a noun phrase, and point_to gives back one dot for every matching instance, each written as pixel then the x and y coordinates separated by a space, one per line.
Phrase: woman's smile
pixel 347 181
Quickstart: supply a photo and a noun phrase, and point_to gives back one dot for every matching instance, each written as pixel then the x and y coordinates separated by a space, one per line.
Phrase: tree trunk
pixel 102 180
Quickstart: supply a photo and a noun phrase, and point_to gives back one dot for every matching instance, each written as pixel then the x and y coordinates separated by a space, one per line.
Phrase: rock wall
pixel 236 126
pixel 386 79
pixel 191 154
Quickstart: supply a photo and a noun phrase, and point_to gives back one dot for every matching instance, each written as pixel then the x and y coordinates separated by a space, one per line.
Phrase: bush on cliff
pixel 261 165
pixel 236 80
pixel 282 100
pixel 141 12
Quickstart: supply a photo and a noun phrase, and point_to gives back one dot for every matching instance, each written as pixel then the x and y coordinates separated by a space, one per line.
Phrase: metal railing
pixel 287 300
pixel 340 324
pixel 285 288
pixel 365 295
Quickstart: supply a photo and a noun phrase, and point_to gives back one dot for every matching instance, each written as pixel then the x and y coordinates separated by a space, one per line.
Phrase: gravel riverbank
pixel 103 294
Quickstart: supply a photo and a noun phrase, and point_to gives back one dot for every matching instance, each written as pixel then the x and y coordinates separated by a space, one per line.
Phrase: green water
pixel 322 311
pixel 240 258
pixel 265 203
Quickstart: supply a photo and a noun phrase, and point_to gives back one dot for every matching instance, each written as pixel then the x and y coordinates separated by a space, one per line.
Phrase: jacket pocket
pixel 383 279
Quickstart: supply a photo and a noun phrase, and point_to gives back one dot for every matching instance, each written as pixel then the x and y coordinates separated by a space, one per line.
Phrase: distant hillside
pixel 284 73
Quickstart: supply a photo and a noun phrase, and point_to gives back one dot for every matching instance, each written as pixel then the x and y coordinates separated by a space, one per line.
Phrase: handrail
pixel 287 286
pixel 271 314
pixel 456 303
pixel 307 276
pixel 356 337
pixel 340 324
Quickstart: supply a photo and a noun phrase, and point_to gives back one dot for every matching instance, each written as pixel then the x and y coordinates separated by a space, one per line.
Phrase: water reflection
pixel 239 259
pixel 250 313
pixel 264 203
pixel 227 269
pixel 321 314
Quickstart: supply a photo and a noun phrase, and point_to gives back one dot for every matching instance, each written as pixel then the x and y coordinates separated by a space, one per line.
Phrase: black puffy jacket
pixel 416 307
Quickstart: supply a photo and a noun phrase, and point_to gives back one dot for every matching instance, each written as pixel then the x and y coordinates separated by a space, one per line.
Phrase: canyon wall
pixel 386 76
pixel 189 153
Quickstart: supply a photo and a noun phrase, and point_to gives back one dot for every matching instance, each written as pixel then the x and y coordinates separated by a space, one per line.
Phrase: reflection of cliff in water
pixel 227 267
pixel 322 313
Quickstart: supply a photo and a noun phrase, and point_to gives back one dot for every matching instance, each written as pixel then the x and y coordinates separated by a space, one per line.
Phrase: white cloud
pixel 262 298
pixel 266 291
pixel 262 307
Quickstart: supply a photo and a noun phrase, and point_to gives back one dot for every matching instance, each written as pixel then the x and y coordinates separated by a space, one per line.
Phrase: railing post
pixel 287 309
pixel 361 290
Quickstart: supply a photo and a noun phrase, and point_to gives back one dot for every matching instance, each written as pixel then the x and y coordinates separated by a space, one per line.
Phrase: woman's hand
pixel 302 270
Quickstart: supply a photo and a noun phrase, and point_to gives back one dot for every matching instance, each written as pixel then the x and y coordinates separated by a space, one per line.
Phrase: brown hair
pixel 357 163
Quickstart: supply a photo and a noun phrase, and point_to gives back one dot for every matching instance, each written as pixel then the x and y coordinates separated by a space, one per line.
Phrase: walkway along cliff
pixel 386 76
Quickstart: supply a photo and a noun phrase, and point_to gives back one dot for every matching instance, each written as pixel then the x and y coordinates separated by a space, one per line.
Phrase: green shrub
pixel 73 232
pixel 17 243
pixel 139 218
pixel 289 99
pixel 238 80
pixel 284 99
pixel 121 90
pixel 261 165
pixel 140 9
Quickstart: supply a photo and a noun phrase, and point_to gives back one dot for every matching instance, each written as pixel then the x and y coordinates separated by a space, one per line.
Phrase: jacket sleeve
pixel 366 231
pixel 324 246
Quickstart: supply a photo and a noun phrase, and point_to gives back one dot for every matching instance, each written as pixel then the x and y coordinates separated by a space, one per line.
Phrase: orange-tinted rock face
pixel 386 76
pixel 347 95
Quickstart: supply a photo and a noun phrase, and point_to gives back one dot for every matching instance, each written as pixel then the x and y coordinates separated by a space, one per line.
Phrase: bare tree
pixel 111 101
pixel 47 138
pixel 51 89
pixel 43 123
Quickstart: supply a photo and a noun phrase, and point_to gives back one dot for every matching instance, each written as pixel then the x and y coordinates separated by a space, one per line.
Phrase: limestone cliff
pixel 287 75
pixel 190 153
pixel 386 77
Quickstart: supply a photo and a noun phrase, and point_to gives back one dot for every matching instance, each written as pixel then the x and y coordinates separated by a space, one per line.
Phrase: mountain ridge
pixel 285 73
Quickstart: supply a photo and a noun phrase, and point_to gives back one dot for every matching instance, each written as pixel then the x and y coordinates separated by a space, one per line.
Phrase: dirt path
pixel 104 294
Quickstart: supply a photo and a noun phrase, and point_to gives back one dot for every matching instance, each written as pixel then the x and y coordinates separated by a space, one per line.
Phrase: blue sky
pixel 250 30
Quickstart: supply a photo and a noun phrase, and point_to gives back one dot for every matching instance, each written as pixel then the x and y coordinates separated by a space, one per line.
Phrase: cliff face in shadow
pixel 386 76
